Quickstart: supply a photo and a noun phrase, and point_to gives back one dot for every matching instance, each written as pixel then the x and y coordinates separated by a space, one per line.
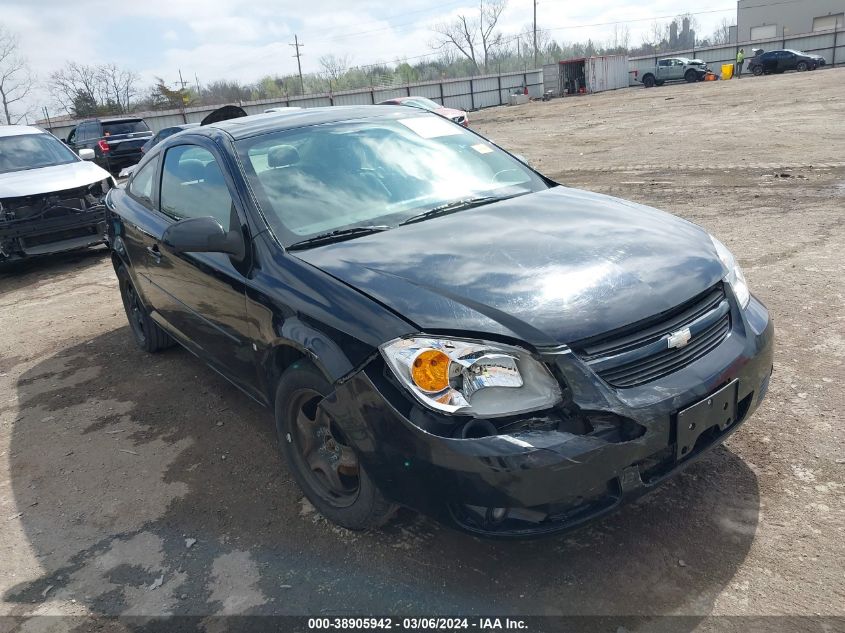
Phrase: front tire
pixel 691 76
pixel 801 67
pixel 320 458
pixel 148 336
pixel 757 71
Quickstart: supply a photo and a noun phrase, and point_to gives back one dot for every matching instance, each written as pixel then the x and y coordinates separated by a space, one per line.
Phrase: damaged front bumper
pixel 543 476
pixel 51 223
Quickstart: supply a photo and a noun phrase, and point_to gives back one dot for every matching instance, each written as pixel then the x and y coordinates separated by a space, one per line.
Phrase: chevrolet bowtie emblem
pixel 680 338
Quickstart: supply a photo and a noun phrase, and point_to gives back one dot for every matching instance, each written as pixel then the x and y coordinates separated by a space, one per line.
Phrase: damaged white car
pixel 51 200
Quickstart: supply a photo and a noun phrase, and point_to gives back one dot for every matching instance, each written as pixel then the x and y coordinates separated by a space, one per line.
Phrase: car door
pixel 202 296
pixel 788 61
pixel 769 61
pixel 140 231
pixel 676 70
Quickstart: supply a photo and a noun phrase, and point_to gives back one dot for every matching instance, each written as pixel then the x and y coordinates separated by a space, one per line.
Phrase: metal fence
pixel 469 93
pixel 829 44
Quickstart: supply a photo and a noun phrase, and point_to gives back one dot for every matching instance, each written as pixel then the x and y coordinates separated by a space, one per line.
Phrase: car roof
pixel 113 119
pixel 18 130
pixel 256 124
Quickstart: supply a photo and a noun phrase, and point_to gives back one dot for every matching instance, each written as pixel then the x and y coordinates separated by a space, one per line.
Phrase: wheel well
pixel 648 75
pixel 282 357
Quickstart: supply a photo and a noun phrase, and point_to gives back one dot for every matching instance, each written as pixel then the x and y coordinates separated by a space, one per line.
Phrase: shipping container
pixel 586 75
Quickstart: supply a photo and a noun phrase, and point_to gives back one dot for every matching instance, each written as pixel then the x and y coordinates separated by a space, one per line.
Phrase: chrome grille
pixel 640 353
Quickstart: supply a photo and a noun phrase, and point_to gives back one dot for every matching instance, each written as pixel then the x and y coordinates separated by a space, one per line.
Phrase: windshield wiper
pixel 456 205
pixel 338 235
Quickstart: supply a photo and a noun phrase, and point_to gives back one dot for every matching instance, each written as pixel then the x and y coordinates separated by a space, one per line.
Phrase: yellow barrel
pixel 727 71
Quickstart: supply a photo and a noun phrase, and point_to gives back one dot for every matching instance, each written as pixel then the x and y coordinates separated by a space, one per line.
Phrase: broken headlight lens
pixel 733 274
pixel 474 378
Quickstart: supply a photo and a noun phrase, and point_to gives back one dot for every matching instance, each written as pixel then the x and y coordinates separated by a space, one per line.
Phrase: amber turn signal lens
pixel 430 370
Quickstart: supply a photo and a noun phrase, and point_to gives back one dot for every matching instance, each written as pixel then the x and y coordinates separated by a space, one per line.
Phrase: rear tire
pixel 147 334
pixel 321 461
pixel 648 81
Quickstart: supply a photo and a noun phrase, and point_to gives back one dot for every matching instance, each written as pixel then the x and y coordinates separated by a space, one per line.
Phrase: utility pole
pixel 535 34
pixel 184 97
pixel 197 79
pixel 47 116
pixel 296 44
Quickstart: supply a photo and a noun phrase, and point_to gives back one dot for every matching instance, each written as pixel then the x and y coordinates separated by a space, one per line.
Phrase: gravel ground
pixel 134 484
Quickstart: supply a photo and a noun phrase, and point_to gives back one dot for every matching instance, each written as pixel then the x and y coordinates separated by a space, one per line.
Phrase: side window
pixel 141 186
pixel 663 62
pixel 71 137
pixel 87 131
pixel 192 186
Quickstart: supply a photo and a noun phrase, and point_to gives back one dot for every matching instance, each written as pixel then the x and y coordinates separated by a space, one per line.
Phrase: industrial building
pixel 764 19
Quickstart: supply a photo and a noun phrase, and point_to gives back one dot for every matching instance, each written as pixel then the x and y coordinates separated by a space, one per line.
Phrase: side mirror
pixel 203 235
pixel 86 154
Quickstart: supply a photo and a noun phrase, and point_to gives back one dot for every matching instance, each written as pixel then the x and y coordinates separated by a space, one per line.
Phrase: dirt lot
pixel 120 472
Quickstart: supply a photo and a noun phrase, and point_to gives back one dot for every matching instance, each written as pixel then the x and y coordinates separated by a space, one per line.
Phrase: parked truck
pixel 674 69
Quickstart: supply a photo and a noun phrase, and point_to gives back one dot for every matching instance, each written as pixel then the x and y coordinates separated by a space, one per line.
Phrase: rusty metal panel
pixel 606 72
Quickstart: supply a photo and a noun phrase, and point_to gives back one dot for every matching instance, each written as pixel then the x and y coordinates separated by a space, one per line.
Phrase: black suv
pixel 116 142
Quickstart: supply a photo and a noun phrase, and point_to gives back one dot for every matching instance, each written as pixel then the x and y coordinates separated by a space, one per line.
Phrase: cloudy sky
pixel 247 39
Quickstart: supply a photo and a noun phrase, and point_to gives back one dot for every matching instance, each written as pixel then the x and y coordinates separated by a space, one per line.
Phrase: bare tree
pixel 722 34
pixel 656 36
pixel 461 35
pixel 474 37
pixel 16 80
pixel 75 84
pixel 118 85
pixel 489 14
pixel 335 65
pixel 620 39
pixel 84 90
pixel 526 40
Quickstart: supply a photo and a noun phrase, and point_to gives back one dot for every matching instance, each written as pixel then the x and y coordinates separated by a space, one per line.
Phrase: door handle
pixel 153 250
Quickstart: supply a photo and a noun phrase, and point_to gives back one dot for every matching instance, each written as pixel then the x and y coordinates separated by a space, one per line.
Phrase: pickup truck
pixel 674 69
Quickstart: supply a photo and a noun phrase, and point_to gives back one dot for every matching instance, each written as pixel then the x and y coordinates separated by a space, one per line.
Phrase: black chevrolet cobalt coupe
pixel 433 323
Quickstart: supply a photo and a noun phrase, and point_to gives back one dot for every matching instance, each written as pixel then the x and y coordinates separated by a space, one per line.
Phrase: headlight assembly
pixel 474 378
pixel 733 274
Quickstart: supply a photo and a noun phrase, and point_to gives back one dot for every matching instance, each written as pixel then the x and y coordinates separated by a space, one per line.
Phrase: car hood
pixel 547 268
pixel 30 182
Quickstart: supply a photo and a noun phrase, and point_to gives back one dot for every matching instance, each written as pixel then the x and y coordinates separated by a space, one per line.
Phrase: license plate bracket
pixel 717 409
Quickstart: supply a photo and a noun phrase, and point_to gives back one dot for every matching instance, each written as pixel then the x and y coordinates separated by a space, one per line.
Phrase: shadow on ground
pixel 31 272
pixel 148 485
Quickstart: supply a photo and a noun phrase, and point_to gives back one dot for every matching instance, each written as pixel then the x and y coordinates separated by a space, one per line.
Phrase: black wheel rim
pixel 134 311
pixel 328 463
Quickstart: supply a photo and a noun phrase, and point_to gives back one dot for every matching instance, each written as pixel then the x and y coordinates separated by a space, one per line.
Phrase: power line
pixel 389 17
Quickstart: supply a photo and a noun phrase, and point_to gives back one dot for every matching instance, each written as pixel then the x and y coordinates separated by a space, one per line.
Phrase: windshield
pixel 323 178
pixel 31 151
